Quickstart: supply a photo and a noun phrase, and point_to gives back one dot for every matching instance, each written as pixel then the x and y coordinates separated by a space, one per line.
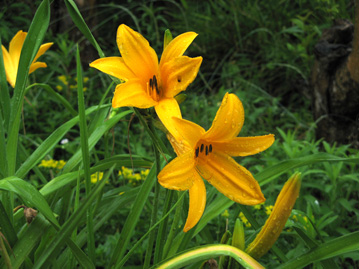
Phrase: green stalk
pixel 158 143
pixel 178 204
pixel 4 92
pixel 173 230
pixel 85 155
pixel 162 230
pixel 154 212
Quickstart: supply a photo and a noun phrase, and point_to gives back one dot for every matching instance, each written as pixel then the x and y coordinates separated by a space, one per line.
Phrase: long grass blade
pixel 81 24
pixel 31 45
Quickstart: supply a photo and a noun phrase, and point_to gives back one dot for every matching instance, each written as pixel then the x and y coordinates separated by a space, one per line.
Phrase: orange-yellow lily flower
pixel 12 57
pixel 277 219
pixel 147 82
pixel 208 154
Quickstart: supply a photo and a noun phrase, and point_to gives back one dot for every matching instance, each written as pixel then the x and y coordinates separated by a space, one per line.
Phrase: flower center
pixel 203 149
pixel 153 88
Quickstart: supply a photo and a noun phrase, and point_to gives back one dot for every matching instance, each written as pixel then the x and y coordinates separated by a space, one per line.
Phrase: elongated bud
pixel 238 239
pixel 225 237
pixel 167 38
pixel 277 219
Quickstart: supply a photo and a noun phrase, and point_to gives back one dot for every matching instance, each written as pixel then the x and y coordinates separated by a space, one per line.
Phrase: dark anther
pixel 151 83
pixel 197 152
pixel 210 148
pixel 155 84
pixel 179 79
pixel 202 148
pixel 206 150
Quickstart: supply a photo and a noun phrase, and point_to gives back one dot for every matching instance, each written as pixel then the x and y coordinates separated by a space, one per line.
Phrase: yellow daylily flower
pixel 207 154
pixel 12 57
pixel 277 219
pixel 147 82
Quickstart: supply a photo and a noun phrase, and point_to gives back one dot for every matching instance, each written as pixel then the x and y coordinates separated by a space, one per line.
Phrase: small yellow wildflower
pixel 258 207
pixel 52 164
pixel 269 209
pixel 59 88
pixel 244 220
pixel 96 177
pixel 63 79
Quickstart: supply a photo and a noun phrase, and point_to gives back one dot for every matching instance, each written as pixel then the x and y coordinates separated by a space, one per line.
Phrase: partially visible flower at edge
pixel 277 219
pixel 12 57
pixel 147 82
pixel 208 154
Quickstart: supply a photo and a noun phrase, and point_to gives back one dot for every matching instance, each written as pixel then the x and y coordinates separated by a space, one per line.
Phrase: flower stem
pixel 154 212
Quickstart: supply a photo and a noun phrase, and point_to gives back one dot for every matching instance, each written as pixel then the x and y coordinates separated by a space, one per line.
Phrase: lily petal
pixel 189 131
pixel 43 48
pixel 179 174
pixel 178 73
pixel 177 47
pixel 197 203
pixel 228 121
pixel 15 46
pixel 10 68
pixel 167 109
pixel 136 52
pixel 36 65
pixel 131 93
pixel 244 146
pixel 114 66
pixel 230 178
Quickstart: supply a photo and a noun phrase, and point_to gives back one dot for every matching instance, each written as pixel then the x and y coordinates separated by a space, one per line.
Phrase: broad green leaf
pixel 81 24
pixel 335 247
pixel 207 252
pixel 29 240
pixel 30 196
pixel 31 45
pixel 6 227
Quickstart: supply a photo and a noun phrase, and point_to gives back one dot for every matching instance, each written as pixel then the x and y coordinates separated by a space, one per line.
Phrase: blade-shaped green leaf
pixel 270 173
pixel 30 196
pixel 56 96
pixel 207 252
pixel 81 24
pixel 133 217
pixel 75 219
pixel 94 138
pixel 31 45
pixel 48 145
pixel 30 239
pixel 335 247
pixel 4 92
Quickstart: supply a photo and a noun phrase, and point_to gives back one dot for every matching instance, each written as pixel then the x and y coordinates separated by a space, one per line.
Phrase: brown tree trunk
pixel 335 83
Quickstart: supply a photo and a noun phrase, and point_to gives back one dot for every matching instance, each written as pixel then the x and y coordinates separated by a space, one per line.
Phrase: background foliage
pixel 260 50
